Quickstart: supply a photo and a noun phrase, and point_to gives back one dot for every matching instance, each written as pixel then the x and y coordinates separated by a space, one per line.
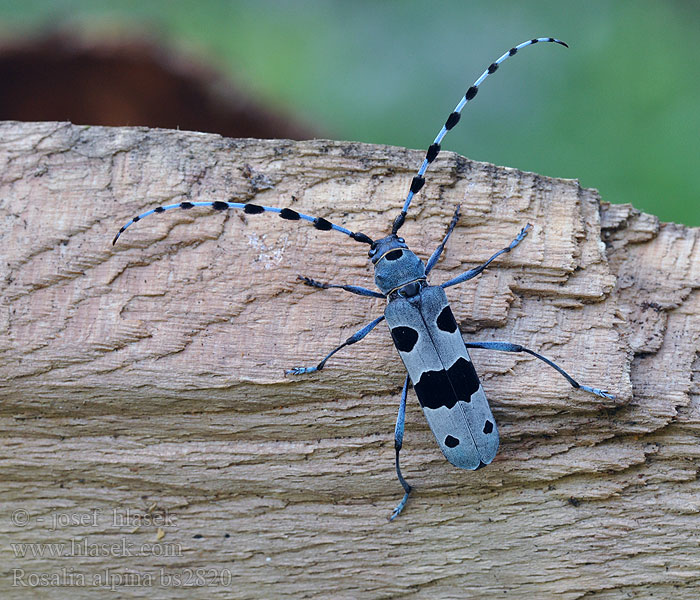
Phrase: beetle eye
pixel 372 252
pixel 403 241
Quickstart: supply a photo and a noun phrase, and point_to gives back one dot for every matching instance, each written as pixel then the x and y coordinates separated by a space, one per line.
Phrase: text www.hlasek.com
pixel 84 547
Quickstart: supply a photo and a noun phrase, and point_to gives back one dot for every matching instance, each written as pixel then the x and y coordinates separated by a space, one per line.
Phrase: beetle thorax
pixel 394 264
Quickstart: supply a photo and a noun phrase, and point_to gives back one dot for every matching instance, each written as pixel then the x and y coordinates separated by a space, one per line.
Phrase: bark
pixel 148 425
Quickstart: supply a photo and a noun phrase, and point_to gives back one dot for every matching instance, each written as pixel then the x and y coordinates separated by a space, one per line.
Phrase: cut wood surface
pixel 152 443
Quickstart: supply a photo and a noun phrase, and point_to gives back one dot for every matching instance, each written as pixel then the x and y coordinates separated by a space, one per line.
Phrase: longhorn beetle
pixel 421 323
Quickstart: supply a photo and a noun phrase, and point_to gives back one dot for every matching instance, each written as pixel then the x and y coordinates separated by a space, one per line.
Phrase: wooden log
pixel 149 428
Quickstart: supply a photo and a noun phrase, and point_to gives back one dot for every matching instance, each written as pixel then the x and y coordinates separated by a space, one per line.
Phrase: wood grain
pixel 143 398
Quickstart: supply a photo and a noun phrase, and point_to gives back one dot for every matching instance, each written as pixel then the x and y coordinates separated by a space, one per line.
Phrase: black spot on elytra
pixel 405 338
pixel 488 427
pixel 394 254
pixel 446 387
pixel 434 390
pixel 446 321
pixel 451 442
pixel 464 377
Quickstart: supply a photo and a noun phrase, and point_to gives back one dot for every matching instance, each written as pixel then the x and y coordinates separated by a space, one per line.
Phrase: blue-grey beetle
pixel 421 323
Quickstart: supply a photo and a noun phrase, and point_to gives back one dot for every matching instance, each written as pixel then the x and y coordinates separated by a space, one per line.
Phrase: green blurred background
pixel 618 110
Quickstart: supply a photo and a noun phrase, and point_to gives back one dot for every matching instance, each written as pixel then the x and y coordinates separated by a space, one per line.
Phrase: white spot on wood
pixel 269 256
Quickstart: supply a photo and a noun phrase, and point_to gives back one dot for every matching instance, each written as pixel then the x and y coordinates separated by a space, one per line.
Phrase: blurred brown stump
pixel 104 78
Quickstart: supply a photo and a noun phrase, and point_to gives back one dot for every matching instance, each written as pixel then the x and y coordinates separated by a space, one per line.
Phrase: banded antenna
pixel 253 209
pixel 434 149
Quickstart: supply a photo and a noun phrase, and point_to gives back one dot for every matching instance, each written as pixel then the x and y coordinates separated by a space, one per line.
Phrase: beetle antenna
pixel 253 209
pixel 434 149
